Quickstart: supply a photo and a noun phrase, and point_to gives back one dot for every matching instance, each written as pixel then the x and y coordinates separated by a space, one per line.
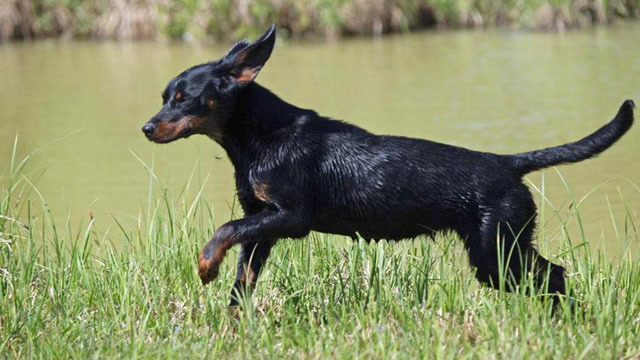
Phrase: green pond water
pixel 498 91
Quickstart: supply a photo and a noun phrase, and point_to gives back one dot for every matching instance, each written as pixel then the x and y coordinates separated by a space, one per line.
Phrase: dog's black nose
pixel 148 130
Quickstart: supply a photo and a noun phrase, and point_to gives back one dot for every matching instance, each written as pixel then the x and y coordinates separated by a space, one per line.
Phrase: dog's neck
pixel 259 109
pixel 258 114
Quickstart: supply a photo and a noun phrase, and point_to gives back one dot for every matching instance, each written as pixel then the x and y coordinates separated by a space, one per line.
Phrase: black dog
pixel 297 171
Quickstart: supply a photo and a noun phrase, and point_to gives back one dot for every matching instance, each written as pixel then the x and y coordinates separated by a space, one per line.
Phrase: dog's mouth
pixel 169 132
pixel 166 132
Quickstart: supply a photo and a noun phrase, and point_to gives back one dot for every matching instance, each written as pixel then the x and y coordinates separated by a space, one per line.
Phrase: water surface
pixel 496 91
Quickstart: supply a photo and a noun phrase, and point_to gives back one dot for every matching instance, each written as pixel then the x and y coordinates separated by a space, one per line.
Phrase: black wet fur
pixel 296 171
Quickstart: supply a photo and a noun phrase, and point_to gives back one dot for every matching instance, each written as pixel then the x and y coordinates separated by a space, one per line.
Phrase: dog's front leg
pixel 253 256
pixel 270 224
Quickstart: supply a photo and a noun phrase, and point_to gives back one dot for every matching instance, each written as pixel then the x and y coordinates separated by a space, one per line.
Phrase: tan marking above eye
pixel 178 95
pixel 211 103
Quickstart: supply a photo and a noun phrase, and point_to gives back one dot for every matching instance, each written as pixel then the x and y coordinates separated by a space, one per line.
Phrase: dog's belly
pixel 372 233
pixel 376 227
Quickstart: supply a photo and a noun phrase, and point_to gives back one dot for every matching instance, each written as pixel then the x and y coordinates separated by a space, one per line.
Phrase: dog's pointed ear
pixel 247 60
pixel 237 47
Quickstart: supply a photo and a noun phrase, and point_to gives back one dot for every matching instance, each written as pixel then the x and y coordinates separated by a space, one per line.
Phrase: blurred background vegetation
pixel 232 19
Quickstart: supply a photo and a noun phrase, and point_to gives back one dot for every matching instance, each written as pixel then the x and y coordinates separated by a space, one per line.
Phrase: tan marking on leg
pixel 208 268
pixel 204 267
pixel 260 191
pixel 252 276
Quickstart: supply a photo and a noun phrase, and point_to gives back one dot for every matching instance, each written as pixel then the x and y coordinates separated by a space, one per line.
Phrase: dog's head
pixel 201 99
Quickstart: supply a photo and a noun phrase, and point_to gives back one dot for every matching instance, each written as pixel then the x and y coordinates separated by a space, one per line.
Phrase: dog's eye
pixel 211 103
pixel 178 96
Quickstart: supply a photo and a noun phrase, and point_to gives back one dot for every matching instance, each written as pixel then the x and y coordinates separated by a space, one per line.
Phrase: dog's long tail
pixel 580 150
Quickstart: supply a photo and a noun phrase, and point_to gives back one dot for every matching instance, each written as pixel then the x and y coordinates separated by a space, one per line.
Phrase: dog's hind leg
pixel 501 250
pixel 253 256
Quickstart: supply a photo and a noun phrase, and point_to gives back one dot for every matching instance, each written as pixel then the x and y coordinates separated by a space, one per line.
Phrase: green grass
pixel 69 292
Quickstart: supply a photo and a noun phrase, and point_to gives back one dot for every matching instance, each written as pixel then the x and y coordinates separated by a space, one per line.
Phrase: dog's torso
pixel 351 181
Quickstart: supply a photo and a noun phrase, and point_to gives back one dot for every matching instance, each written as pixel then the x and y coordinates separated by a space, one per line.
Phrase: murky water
pixel 494 91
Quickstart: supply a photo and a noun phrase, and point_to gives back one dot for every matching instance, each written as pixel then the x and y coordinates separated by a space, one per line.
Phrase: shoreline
pixel 201 21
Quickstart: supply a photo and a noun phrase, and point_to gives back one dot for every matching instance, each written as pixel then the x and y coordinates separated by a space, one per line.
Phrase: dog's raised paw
pixel 207 269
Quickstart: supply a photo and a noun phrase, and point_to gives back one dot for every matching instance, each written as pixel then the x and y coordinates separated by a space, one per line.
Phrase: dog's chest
pixel 252 189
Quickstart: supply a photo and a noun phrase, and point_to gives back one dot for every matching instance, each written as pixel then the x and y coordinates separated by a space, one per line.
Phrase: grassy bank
pixel 230 20
pixel 69 292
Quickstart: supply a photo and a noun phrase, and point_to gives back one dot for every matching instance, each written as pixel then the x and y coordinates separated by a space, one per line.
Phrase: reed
pixel 230 20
